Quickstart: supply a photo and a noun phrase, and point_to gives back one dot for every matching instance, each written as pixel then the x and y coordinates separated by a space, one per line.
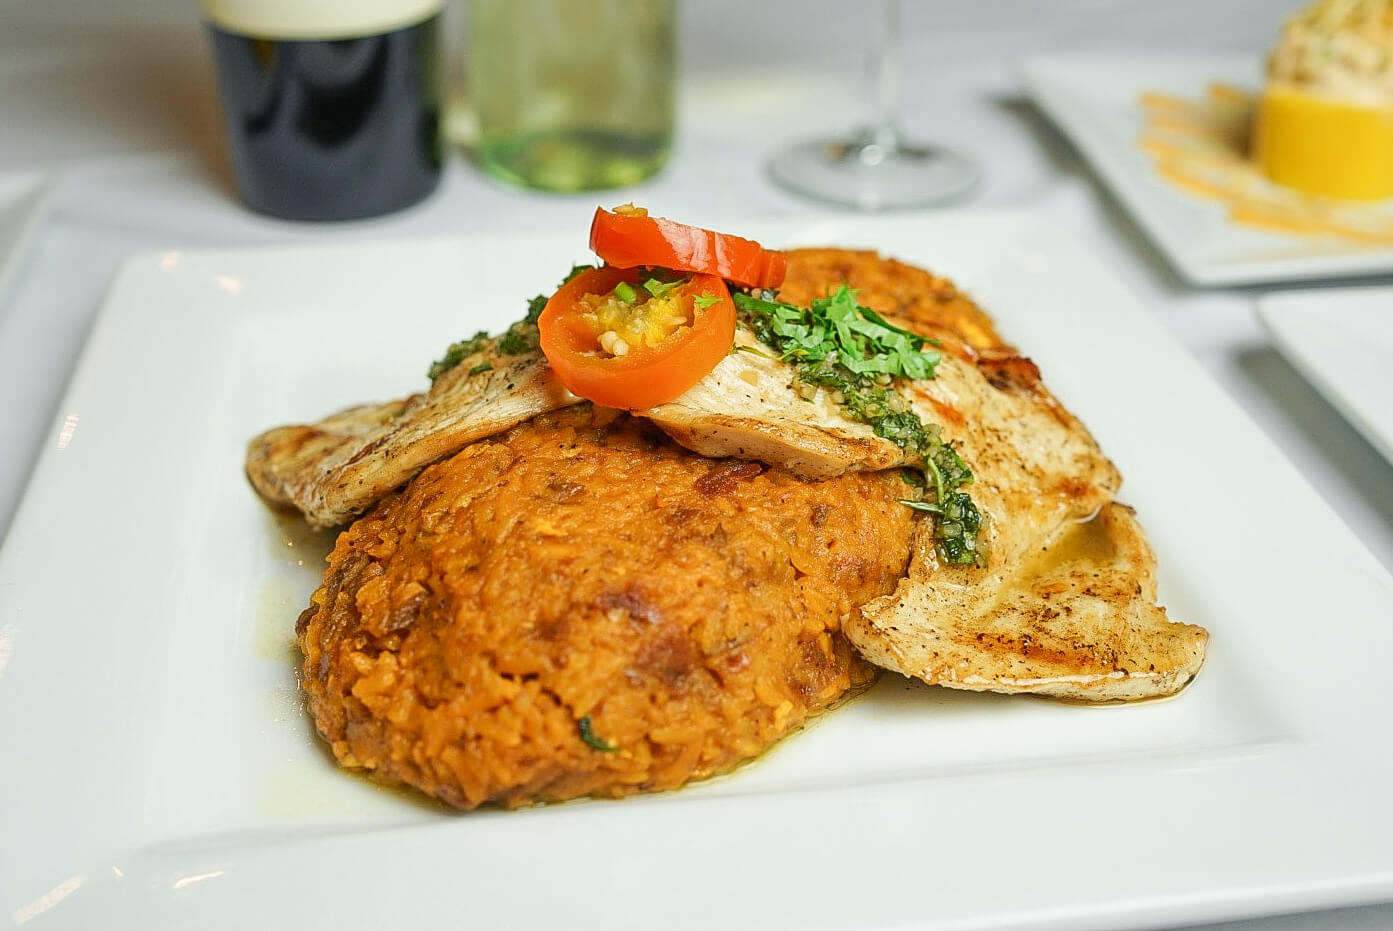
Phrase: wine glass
pixel 876 168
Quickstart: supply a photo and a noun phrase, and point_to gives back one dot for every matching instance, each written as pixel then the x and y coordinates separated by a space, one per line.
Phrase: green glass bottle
pixel 572 95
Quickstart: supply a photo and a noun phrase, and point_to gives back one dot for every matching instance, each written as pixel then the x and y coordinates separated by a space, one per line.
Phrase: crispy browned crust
pixel 583 566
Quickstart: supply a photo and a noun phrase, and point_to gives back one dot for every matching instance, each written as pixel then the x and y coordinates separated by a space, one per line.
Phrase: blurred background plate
pixel 23 198
pixel 1341 341
pixel 1095 100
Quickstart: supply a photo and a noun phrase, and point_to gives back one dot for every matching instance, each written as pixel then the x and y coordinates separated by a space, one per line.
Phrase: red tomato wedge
pixel 630 238
pixel 643 375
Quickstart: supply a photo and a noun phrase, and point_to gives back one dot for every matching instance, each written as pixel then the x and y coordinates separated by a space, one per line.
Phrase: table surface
pixel 116 102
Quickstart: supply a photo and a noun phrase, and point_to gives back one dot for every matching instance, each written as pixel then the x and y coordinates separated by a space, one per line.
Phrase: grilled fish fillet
pixel 747 407
pixel 1059 610
pixel 1077 618
pixel 335 469
pixel 1087 629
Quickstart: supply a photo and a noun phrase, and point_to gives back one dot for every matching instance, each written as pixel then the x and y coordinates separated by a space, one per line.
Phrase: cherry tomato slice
pixel 630 239
pixel 644 376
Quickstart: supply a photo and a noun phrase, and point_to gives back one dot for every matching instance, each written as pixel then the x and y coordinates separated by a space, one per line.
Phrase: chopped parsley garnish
pixel 587 734
pixel 522 336
pixel 704 301
pixel 457 353
pixel 858 338
pixel 658 288
pixel 850 350
pixel 519 338
pixel 535 308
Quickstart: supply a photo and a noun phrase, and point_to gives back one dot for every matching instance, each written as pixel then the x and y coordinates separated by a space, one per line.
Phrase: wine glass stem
pixel 883 80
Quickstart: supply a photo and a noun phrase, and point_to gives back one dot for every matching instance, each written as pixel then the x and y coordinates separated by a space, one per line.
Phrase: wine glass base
pixel 873 177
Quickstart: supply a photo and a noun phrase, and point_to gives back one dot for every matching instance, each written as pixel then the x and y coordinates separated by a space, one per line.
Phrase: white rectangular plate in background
pixel 1341 341
pixel 161 772
pixel 1094 98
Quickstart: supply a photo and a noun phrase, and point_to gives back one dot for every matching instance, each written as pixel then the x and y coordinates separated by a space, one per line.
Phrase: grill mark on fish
pixel 340 466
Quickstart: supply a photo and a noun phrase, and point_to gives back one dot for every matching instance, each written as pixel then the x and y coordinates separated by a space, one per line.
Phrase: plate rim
pixel 1273 311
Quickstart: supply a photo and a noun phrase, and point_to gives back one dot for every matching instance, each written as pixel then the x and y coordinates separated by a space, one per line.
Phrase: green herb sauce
pixel 521 337
pixel 457 353
pixel 837 344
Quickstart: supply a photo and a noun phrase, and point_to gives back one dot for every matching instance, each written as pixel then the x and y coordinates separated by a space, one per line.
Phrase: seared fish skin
pixel 335 469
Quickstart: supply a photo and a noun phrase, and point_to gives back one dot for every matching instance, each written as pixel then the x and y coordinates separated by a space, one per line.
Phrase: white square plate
pixel 160 772
pixel 1341 341
pixel 1094 99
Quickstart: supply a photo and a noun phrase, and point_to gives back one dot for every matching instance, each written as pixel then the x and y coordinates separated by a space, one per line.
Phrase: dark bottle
pixel 332 128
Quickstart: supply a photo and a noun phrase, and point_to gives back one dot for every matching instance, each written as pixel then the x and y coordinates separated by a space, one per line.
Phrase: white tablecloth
pixel 117 103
